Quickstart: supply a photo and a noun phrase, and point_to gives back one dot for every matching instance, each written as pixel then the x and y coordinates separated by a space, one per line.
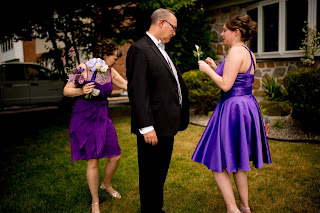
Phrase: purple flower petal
pixel 71 78
pixel 92 62
pixel 81 79
pixel 80 70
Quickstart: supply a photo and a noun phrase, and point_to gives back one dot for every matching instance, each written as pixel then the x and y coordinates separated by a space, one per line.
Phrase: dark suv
pixel 28 84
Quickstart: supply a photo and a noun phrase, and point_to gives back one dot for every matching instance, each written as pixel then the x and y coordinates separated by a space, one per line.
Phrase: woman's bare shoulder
pixel 235 53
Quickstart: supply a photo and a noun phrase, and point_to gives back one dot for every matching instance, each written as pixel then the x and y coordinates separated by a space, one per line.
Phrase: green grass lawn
pixel 37 174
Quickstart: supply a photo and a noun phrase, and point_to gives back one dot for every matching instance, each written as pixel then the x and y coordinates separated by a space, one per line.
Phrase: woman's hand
pixel 87 88
pixel 204 67
pixel 211 63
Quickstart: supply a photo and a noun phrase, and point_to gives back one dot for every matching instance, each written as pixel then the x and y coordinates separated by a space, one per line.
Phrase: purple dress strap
pixel 252 61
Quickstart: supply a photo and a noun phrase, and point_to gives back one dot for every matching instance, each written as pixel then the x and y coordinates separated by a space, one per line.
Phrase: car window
pixel 14 72
pixel 38 73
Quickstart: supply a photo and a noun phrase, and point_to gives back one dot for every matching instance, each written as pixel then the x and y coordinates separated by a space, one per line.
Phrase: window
pixel 14 72
pixel 7 45
pixel 318 16
pixel 38 73
pixel 253 43
pixel 271 27
pixel 297 14
pixel 280 24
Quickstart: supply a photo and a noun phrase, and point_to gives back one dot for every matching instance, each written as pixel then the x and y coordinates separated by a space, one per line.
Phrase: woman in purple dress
pixel 235 134
pixel 92 134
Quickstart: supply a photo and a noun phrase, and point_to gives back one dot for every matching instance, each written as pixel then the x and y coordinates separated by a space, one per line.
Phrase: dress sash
pixel 237 91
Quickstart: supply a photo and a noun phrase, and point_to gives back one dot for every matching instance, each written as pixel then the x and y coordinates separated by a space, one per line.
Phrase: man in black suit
pixel 160 106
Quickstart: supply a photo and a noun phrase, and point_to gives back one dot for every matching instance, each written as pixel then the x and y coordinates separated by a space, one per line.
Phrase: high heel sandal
pixel 106 189
pixel 244 210
pixel 95 204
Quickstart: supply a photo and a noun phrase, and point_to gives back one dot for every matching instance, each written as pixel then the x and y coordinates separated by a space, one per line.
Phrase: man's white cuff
pixel 146 130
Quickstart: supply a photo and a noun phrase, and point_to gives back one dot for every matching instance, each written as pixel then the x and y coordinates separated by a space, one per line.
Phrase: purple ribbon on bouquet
pixel 93 77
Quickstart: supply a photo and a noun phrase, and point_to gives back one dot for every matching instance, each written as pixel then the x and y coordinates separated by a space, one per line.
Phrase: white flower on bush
pixel 310 45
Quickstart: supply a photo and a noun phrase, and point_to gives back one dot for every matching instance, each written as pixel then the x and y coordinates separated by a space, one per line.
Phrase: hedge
pixel 203 93
pixel 303 87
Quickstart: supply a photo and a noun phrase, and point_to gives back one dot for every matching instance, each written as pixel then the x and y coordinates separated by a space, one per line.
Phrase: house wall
pixel 15 54
pixel 43 46
pixel 265 67
pixel 120 66
pixel 29 51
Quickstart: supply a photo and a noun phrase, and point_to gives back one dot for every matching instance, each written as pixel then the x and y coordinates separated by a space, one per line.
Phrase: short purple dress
pixel 92 134
pixel 235 133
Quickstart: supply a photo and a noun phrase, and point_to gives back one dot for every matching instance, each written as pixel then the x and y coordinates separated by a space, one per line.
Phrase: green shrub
pixel 203 93
pixel 273 90
pixel 303 87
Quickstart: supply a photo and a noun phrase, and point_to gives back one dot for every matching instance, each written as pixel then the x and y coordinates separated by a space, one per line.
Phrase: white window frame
pixel 7 45
pixel 282 52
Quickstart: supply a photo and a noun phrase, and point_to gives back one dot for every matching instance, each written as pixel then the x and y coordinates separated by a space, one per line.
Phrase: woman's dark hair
pixel 244 23
pixel 106 47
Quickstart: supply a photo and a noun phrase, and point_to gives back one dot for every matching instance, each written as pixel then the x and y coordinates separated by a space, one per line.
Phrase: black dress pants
pixel 153 163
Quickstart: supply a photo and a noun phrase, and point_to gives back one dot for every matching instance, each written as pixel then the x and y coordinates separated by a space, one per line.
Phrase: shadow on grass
pixel 37 174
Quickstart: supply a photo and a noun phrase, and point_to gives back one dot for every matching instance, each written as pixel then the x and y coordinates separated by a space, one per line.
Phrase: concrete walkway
pixel 34 108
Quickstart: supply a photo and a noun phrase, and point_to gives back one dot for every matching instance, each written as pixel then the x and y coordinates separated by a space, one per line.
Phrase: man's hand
pixel 151 138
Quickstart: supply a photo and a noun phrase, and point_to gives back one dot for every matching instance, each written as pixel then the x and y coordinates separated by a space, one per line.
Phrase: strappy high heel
pixel 244 210
pixel 106 189
pixel 95 204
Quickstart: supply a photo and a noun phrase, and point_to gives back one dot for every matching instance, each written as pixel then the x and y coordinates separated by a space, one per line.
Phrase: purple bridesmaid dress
pixel 235 133
pixel 92 134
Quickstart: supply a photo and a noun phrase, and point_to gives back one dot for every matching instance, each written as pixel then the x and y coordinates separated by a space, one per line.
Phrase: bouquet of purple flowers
pixel 75 76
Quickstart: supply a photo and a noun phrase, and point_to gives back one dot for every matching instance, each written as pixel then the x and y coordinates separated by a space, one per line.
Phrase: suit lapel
pixel 157 51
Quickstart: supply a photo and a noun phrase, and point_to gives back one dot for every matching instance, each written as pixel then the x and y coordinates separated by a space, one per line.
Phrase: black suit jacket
pixel 153 91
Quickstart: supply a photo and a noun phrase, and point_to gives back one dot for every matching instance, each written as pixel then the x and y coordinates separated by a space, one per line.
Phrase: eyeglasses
pixel 174 27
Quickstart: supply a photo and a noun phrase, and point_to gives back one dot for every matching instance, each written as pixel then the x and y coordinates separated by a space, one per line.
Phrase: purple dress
pixel 92 134
pixel 235 133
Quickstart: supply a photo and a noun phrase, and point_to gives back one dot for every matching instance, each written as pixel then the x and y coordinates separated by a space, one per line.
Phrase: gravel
pixel 286 128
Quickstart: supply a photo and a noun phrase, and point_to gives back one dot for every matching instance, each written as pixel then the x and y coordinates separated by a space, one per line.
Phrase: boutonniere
pixel 198 53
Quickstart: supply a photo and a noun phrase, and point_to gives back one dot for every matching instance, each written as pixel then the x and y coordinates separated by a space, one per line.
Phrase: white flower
pixel 104 68
pixel 95 92
pixel 98 65
pixel 197 47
